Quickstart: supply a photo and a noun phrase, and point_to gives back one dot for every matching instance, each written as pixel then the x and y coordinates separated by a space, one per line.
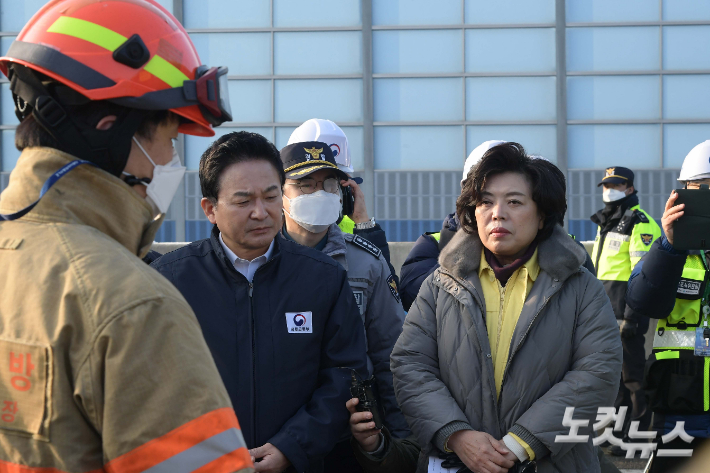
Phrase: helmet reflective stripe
pixel 89 46
pixel 110 40
pixel 87 31
pixel 165 71
pixel 696 164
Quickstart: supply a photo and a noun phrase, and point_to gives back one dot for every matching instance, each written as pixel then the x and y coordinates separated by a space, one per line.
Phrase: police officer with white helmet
pixel 355 218
pixel 311 206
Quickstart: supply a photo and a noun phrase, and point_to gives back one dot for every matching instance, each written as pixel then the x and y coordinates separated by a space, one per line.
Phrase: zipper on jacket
pixel 522 340
pixel 253 359
pixel 500 315
pixel 602 237
pixel 488 357
pixel 253 349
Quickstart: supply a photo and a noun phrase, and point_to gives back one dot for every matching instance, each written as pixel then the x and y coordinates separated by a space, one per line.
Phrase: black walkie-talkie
pixel 362 390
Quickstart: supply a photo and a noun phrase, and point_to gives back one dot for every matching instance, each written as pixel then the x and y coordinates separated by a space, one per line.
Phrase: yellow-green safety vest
pixel 624 246
pixel 347 225
pixel 678 381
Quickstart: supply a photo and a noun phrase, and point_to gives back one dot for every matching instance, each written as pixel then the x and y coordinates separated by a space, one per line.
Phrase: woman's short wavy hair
pixel 546 181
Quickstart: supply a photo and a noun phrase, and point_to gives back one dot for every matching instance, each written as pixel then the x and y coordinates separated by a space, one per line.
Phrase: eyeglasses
pixel 309 186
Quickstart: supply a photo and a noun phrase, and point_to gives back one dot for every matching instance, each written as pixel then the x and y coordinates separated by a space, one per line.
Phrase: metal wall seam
pixel 368 108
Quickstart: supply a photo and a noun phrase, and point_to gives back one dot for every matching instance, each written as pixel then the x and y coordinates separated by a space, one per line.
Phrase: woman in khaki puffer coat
pixel 564 346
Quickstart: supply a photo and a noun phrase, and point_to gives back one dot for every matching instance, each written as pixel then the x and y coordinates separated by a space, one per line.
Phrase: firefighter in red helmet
pixel 103 366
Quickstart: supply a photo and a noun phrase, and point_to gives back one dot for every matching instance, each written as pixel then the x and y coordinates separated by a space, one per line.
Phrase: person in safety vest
pixel 103 366
pixel 624 235
pixel 672 286
pixel 357 221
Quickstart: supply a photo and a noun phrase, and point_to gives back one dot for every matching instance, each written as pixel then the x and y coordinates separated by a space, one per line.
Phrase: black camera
pixel 362 389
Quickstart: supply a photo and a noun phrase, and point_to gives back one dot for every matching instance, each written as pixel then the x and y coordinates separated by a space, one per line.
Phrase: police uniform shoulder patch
pixel 367 246
pixel 646 238
pixel 641 216
pixel 393 287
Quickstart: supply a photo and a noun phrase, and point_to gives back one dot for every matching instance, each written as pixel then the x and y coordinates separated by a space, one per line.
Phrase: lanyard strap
pixel 47 185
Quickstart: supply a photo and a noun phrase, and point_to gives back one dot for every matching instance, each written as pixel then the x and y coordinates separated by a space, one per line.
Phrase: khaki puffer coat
pixel 565 352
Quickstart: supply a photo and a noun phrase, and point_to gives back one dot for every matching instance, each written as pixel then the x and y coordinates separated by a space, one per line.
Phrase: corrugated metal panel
pixel 415 195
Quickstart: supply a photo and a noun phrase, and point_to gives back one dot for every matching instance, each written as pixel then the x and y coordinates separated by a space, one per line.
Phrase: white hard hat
pixel 696 164
pixel 317 129
pixel 477 154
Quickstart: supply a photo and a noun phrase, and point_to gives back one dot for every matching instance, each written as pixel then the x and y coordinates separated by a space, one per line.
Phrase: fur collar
pixel 559 256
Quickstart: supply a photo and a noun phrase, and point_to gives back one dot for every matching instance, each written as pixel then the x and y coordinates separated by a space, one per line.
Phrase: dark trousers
pixel 342 459
pixel 631 393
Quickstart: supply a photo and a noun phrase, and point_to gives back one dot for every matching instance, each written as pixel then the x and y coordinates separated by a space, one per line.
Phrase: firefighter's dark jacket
pixel 288 389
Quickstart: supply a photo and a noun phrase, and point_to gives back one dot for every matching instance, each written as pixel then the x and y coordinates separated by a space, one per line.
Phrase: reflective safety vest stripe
pixel 347 225
pixel 676 333
pixel 110 40
pixel 686 309
pixel 213 442
pixel 436 236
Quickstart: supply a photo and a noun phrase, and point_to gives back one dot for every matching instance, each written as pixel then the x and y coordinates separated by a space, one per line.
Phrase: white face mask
pixel 612 195
pixel 165 182
pixel 315 212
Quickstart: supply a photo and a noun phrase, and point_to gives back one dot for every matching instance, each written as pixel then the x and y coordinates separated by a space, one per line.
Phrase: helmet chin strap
pixel 132 180
pixel 109 149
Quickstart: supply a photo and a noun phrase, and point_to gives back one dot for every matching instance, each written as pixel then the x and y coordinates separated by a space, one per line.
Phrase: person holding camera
pixel 624 235
pixel 509 331
pixel 311 205
pixel 671 285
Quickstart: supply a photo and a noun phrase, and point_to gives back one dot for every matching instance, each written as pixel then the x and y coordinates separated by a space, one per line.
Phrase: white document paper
pixel 435 466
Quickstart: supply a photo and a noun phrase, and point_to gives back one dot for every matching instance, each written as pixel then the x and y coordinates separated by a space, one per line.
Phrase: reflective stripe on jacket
pixel 677 381
pixel 103 366
pixel 667 284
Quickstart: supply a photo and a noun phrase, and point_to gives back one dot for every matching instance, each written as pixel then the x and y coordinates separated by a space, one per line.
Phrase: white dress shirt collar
pixel 245 267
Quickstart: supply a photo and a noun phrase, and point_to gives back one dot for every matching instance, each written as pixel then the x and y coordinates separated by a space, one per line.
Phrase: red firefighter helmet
pixel 130 52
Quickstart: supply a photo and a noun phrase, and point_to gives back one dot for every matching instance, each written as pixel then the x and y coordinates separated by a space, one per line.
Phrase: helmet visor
pixel 213 94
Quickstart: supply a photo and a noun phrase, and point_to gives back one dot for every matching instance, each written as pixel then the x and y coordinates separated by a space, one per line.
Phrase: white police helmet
pixel 696 164
pixel 317 129
pixel 477 154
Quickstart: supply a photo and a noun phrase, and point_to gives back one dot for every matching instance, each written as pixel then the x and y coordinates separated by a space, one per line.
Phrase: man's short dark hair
pixel 233 148
pixel 546 182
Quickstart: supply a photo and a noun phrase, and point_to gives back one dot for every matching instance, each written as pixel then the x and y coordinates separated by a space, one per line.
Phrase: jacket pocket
pixel 676 385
